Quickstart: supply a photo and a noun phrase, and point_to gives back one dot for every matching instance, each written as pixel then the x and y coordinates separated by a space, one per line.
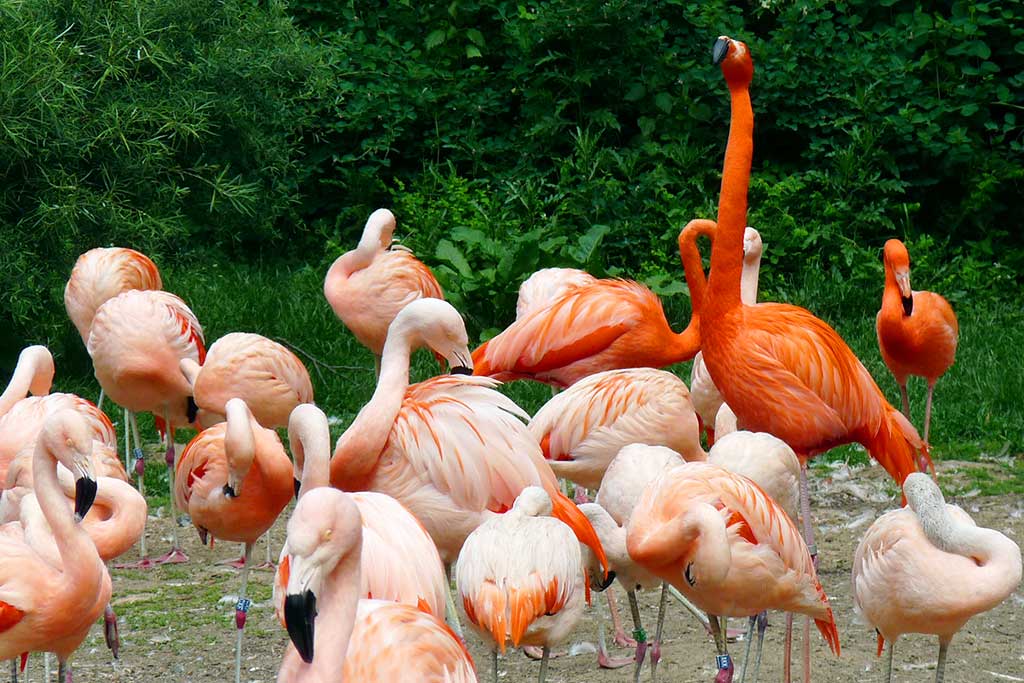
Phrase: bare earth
pixel 175 628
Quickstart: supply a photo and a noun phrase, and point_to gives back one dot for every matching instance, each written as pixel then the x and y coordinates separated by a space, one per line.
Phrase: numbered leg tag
pixel 723 662
pixel 243 605
pixel 639 635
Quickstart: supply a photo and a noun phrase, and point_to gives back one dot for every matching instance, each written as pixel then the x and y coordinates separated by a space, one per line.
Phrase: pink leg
pixel 620 637
pixel 110 631
pixel 604 660
pixel 928 410
pixel 176 555
pixel 787 663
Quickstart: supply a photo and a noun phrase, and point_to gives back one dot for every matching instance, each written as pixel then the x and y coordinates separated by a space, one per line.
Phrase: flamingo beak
pixel 607 581
pixel 299 616
pixel 906 294
pixel 720 50
pixel 85 495
pixel 229 491
pixel 461 362
pixel 298 485
pixel 191 410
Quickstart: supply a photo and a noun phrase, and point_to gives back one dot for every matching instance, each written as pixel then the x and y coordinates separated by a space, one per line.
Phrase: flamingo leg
pixel 14 670
pixel 63 672
pixel 544 665
pixel 376 366
pixel 638 634
pixel 241 610
pixel 46 666
pixel 620 637
pixel 176 554
pixel 110 634
pixel 888 661
pixel 762 625
pixel 746 654
pixel 940 666
pixel 494 660
pixel 603 660
pixel 787 662
pixel 269 562
pixel 99 401
pixel 805 512
pixel 807 650
pixel 656 646
pixel 905 399
pixel 139 467
pixel 452 613
pixel 690 607
pixel 928 411
pixel 723 662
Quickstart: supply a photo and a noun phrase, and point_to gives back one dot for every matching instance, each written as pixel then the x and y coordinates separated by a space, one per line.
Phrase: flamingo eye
pixel 689 575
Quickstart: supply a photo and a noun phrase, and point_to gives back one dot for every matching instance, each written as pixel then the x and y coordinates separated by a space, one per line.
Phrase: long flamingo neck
pixel 749 280
pixel 239 440
pixel 30 374
pixel 693 264
pixel 359 448
pixel 313 458
pixel 336 616
pixel 685 345
pixel 727 249
pixel 72 542
pixel 892 289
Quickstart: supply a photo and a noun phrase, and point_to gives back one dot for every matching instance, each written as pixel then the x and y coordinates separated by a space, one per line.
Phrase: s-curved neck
pixel 34 372
pixel 310 440
pixel 693 264
pixel 73 544
pixel 727 250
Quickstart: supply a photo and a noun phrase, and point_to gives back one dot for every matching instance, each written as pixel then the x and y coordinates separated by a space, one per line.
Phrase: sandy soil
pixel 174 628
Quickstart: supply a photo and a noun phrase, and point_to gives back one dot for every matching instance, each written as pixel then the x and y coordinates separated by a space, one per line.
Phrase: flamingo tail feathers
pixel 898 447
pixel 829 631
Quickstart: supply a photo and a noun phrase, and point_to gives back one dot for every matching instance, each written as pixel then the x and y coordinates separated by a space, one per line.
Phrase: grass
pixel 978 415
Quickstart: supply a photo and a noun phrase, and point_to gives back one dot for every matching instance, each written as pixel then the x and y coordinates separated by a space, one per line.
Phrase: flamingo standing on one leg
pixel 928 568
pixel 719 539
pixel 337 637
pixel 266 375
pixel 450 449
pixel 606 325
pixel 368 286
pixel 917 331
pixel 520 578
pixel 47 607
pixel 234 479
pixel 137 341
pixel 391 535
pixel 101 274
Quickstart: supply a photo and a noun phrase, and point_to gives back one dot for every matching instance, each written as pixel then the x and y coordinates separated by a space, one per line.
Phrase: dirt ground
pixel 174 626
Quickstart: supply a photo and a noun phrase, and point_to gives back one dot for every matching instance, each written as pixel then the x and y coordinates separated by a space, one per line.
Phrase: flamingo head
pixel 41 361
pixel 379 230
pixel 66 436
pixel 436 324
pixel 752 246
pixel 897 260
pixel 734 57
pixel 325 530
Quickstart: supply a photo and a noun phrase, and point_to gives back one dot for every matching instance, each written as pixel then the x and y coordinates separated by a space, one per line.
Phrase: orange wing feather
pixel 9 616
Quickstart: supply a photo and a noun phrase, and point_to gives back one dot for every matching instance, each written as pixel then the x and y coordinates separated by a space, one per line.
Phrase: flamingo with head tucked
pixel 368 286
pixel 928 568
pixel 917 331
pixel 546 285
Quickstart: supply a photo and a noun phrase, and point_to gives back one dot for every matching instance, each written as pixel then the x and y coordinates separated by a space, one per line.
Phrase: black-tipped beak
pixel 607 581
pixel 299 614
pixel 461 370
pixel 229 491
pixel 191 410
pixel 203 534
pixel 85 494
pixel 908 304
pixel 298 485
pixel 719 51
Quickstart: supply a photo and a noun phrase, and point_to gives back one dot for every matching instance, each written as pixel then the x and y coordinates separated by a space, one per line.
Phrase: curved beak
pixel 298 485
pixel 85 495
pixel 191 410
pixel 607 581
pixel 299 617
pixel 460 361
pixel 906 294
pixel 720 50
pixel 229 491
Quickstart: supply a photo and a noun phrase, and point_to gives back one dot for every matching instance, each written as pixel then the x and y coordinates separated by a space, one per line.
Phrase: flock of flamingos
pixel 448 478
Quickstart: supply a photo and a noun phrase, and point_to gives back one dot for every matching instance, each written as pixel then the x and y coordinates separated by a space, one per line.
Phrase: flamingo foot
pixel 537 653
pixel 622 640
pixel 724 674
pixel 174 556
pixel 267 566
pixel 607 662
pixel 144 563
pixel 655 658
pixel 110 633
pixel 641 654
pixel 237 564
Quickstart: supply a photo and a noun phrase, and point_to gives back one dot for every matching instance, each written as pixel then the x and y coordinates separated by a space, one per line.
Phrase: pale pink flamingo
pixel 928 568
pixel 605 325
pixel 391 535
pixel 335 636
pixel 582 429
pixel 103 273
pixel 48 607
pixel 369 285
pixel 33 374
pixel 452 450
pixel 520 578
pixel 707 399
pixel 547 285
pixel 720 540
pixel 137 341
pixel 266 375
pixel 234 479
pixel 630 472
pixel 917 331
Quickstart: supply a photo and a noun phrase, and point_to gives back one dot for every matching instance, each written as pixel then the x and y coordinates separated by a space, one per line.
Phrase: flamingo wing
pixel 202 467
pixel 103 273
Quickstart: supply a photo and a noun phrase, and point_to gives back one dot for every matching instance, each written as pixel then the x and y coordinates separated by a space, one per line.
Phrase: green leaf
pixel 468 235
pixel 635 92
pixel 446 251
pixel 475 37
pixel 435 38
pixel 664 102
pixel 588 243
pixel 473 52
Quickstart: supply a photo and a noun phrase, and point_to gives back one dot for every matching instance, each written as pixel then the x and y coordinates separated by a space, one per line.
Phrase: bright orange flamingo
pixel 719 539
pixel 137 341
pixel 520 578
pixel 234 479
pixel 49 607
pixel 452 450
pixel 606 325
pixel 928 568
pixel 336 636
pixel 917 331
pixel 369 285
pixel 266 375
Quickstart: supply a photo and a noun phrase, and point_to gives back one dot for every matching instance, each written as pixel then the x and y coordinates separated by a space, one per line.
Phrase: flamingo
pixel 917 331
pixel 582 429
pixel 606 325
pixel 707 399
pixel 630 472
pixel 822 396
pixel 928 569
pixel 33 374
pixel 391 535
pixel 266 375
pixel 368 286
pixel 718 538
pixel 547 285
pixel 334 635
pixel 46 607
pixel 520 578
pixel 234 479
pixel 137 341
pixel 452 450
